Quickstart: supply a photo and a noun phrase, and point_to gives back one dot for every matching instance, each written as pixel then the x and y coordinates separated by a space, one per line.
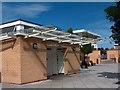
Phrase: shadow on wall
pixel 74 52
pixel 37 56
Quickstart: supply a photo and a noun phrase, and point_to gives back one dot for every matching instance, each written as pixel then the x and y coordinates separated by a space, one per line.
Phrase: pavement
pixel 99 77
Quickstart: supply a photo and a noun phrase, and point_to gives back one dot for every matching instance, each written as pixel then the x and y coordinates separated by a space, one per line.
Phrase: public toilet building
pixel 33 52
pixel 114 54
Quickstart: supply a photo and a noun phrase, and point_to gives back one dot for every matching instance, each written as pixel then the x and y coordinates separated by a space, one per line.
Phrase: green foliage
pixel 70 30
pixel 103 51
pixel 85 34
pixel 86 49
pixel 116 32
pixel 113 14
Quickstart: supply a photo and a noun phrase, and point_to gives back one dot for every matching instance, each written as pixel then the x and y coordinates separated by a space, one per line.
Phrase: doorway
pixel 55 61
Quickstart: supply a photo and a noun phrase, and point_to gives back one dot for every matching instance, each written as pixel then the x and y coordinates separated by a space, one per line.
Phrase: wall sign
pixel 35 45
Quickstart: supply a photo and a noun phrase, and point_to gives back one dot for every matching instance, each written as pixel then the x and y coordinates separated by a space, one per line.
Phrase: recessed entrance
pixel 55 61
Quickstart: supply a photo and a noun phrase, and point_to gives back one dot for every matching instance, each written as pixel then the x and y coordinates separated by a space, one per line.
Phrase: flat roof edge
pixel 17 22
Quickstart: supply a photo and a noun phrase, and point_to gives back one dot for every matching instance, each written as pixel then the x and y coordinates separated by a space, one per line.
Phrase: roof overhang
pixel 19 22
pixel 44 33
pixel 54 35
pixel 83 30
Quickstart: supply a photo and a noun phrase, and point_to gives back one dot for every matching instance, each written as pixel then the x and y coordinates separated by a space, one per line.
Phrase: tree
pixel 103 51
pixel 113 14
pixel 86 49
pixel 106 48
pixel 85 34
pixel 70 30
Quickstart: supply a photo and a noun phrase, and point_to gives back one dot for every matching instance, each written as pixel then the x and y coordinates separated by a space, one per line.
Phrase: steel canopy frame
pixel 52 34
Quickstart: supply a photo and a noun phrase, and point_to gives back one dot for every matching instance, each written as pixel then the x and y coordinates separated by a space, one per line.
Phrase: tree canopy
pixel 113 14
pixel 86 49
pixel 70 30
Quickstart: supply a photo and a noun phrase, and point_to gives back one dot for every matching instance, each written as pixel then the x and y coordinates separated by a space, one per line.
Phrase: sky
pixel 78 15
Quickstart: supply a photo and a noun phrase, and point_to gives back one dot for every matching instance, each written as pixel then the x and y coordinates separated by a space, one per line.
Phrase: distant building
pixel 114 54
pixel 95 55
pixel 32 52
pixel 116 47
pixel 88 34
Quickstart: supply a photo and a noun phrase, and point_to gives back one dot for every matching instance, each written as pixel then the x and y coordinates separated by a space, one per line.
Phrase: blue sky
pixel 87 15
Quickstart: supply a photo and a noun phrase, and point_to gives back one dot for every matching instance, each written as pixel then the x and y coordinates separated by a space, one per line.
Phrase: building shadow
pixel 118 82
pixel 110 75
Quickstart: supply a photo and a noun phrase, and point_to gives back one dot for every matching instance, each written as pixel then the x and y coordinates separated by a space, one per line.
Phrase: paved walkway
pixel 99 76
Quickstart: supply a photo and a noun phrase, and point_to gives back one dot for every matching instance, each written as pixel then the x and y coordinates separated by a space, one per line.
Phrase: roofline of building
pixel 18 22
pixel 83 30
pixel 21 20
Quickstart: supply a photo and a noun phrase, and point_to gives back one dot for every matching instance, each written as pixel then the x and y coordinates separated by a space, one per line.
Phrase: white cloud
pixel 11 11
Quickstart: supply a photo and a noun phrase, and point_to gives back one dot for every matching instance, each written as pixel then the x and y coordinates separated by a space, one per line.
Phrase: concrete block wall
pixel 11 61
pixel 94 56
pixel 21 63
pixel 33 61
pixel 0 63
pixel 72 60
pixel 113 54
